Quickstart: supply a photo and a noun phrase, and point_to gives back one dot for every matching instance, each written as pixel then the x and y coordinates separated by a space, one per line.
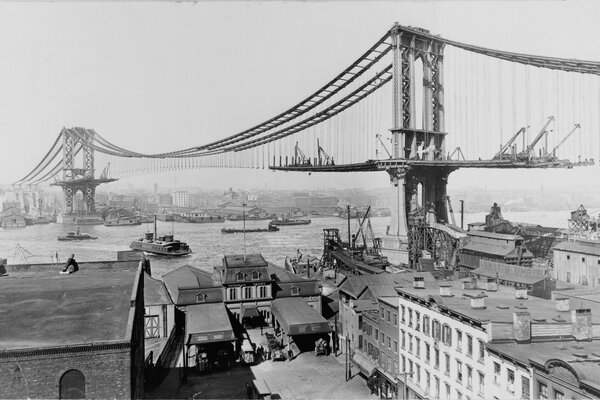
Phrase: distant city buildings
pixel 181 199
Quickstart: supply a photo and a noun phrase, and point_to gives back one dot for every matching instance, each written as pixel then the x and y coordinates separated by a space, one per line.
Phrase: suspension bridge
pixel 414 104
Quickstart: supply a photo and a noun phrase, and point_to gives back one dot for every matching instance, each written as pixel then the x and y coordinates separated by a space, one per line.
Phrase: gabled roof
pixel 155 292
pixel 502 250
pixel 188 277
pixel 356 285
pixel 589 248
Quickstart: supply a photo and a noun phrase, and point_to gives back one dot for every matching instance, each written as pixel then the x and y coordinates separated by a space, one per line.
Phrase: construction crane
pixel 451 211
pixel 378 136
pixel 299 156
pixel 528 152
pixel 502 153
pixel 322 155
pixel 553 152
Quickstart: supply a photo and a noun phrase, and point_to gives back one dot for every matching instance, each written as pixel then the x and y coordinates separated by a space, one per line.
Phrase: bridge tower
pixel 412 142
pixel 74 141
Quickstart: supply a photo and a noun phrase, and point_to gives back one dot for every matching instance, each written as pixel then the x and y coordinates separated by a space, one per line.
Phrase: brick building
pixel 72 336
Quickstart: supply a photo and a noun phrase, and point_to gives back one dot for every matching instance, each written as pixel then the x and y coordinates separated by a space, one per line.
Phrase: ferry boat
pixel 123 221
pixel 290 221
pixel 165 245
pixel 77 236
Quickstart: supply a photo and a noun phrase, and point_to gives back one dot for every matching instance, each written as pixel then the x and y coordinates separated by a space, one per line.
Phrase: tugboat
pixel 164 245
pixel 77 236
pixel 290 221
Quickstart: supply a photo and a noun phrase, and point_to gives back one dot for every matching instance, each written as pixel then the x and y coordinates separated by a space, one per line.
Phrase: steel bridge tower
pixel 412 142
pixel 77 140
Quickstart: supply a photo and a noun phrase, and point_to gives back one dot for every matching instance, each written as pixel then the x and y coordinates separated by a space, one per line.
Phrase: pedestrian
pixel 249 390
pixel 70 263
pixel 290 354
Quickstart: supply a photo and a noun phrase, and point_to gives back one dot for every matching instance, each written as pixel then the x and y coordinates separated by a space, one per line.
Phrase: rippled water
pixel 206 240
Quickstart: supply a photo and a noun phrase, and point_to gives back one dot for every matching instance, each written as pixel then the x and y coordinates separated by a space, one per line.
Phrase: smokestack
pixel 581 322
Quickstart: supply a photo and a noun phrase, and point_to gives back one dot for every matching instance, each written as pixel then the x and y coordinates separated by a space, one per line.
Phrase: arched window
pixel 72 385
pixel 240 277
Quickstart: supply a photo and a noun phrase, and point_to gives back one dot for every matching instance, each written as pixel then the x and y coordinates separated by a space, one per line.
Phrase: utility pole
pixel 348 372
pixel 244 218
pixel 404 387
pixel 462 213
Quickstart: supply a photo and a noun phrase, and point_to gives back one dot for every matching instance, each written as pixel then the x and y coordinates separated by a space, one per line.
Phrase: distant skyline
pixel 152 76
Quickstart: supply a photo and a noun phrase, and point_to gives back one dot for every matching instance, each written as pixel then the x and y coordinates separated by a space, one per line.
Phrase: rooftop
pixel 356 285
pixel 39 307
pixel 512 273
pixel 589 248
pixel 499 305
pixel 155 292
pixel 494 235
pixel 500 249
pixel 238 261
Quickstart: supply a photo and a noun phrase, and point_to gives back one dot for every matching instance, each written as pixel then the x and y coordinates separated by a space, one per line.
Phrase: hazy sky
pixel 154 77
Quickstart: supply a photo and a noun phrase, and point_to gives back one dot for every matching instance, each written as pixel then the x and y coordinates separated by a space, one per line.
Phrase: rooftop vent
pixel 478 302
pixel 419 282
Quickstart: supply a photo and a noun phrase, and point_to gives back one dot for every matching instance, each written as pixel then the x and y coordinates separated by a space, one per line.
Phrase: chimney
pixel 469 284
pixel 581 323
pixel 419 282
pixel 478 302
pixel 446 290
pixel 491 285
pixel 522 326
pixel 562 304
pixel 521 293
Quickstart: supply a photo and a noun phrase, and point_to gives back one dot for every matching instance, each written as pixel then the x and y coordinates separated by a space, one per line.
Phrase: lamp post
pixel 403 376
pixel 244 218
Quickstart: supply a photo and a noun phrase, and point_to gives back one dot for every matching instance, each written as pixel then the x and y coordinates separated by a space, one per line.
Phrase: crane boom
pixel 539 135
pixel 299 155
pixel 378 136
pixel 451 211
pixel 577 126
pixel 509 143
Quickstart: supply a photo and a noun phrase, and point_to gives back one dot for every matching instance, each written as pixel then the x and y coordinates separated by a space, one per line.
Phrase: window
pixel 376 334
pixel 447 391
pixel 447 358
pixel 389 343
pixel 435 329
pixel 403 363
pixel 247 292
pixel 402 314
pixel 410 343
pixel 152 328
pixel 382 359
pixel 395 366
pixel 383 338
pixel 525 388
pixel 436 359
pixel 469 377
pixel 436 387
pixel 559 395
pixel 389 363
pixel 200 297
pixel 262 291
pixel 382 313
pixel 418 347
pixel 458 395
pixel 395 319
pixel 426 325
pixel 568 277
pixel 458 340
pixel 427 381
pixel 403 337
pixel 459 371
pixel 418 374
pixel 72 385
pixel 410 369
pixel 387 316
pixel 469 346
pixel 417 321
pixel 395 347
pixel 410 316
pixel 427 352
pixel 255 276
pixel 481 351
pixel 447 335
pixel 481 383
pixel 511 380
pixel 496 373
pixel 543 389
pixel 568 257
pixel 240 277
pixel 232 293
pixel 582 259
pixel 295 291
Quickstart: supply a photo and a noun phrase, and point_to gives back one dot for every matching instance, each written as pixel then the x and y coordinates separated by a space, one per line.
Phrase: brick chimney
pixel 522 326
pixel 478 302
pixel 581 323
pixel 521 293
pixel 562 304
pixel 491 285
pixel 419 282
pixel 446 290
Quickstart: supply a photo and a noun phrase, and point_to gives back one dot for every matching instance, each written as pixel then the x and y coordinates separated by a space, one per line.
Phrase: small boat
pixel 123 221
pixel 76 236
pixel 290 221
pixel 270 228
pixel 165 245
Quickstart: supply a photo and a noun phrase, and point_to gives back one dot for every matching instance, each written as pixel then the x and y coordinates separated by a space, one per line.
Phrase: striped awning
pixel 364 363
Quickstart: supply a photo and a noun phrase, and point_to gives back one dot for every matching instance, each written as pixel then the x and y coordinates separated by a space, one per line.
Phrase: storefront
pixel 387 384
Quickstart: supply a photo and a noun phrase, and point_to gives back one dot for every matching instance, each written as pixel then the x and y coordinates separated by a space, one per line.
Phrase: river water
pixel 39 242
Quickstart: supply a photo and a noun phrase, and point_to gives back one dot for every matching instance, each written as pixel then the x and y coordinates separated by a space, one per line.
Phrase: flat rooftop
pixel 499 305
pixel 41 308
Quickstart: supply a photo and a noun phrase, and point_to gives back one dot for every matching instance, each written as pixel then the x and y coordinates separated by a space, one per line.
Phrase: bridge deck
pixel 378 165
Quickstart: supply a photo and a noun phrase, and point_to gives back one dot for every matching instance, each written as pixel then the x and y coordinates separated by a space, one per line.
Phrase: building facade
pixel 577 262
pixel 181 199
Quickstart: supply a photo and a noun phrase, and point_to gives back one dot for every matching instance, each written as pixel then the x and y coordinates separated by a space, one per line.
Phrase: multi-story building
pixel 577 262
pixel 181 199
pixel 500 247
pixel 165 199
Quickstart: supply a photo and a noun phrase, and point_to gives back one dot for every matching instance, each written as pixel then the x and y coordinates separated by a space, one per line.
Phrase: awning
pixel 364 363
pixel 208 323
pixel 249 311
pixel 296 317
pixel 387 376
